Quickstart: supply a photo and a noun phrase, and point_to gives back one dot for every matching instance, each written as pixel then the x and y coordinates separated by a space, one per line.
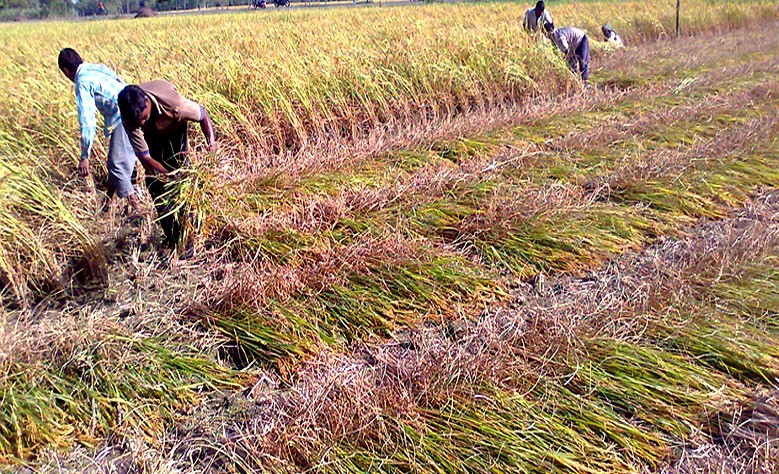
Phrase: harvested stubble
pixel 435 405
pixel 75 379
pixel 510 392
pixel 326 78
pixel 43 243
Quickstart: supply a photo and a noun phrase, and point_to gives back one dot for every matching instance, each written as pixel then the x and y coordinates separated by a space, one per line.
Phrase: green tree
pixel 55 7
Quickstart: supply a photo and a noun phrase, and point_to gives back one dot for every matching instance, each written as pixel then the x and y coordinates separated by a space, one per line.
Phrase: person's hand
pixel 164 178
pixel 83 168
pixel 212 147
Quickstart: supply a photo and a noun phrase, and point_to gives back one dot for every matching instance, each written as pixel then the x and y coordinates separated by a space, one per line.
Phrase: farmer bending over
pixel 574 45
pixel 97 90
pixel 536 17
pixel 156 117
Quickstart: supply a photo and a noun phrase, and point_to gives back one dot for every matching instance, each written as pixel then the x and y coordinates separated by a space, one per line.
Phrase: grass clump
pixel 40 237
pixel 118 385
pixel 373 302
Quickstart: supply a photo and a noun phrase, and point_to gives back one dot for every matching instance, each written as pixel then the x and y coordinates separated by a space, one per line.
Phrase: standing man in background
pixel 536 18
pixel 97 90
pixel 574 45
pixel 156 118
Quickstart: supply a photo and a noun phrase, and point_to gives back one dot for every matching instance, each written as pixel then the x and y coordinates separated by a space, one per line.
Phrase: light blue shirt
pixel 97 89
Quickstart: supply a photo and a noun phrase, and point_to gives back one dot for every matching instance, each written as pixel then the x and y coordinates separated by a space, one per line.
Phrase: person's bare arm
pixel 141 149
pixel 207 128
pixel 152 166
pixel 86 116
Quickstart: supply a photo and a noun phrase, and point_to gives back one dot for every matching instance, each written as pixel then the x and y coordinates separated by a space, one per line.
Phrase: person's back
pixel 103 85
pixel 574 45
pixel 568 38
pixel 97 90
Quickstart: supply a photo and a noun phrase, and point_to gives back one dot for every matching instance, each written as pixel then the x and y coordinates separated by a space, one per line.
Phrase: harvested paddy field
pixel 497 276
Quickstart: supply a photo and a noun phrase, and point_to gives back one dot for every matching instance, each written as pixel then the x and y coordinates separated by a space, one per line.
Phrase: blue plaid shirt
pixel 97 89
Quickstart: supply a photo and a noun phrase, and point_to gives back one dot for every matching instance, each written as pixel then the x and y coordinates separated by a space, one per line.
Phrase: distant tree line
pixel 11 10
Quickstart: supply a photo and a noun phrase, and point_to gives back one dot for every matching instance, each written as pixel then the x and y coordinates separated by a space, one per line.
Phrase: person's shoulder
pixel 92 70
pixel 87 73
pixel 104 67
pixel 84 70
pixel 158 86
pixel 97 67
pixel 165 92
pixel 159 83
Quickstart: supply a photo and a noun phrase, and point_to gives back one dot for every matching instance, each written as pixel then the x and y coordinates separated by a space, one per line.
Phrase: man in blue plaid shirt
pixel 97 89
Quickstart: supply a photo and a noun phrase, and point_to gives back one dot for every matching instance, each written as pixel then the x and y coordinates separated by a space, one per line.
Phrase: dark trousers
pixel 581 59
pixel 171 151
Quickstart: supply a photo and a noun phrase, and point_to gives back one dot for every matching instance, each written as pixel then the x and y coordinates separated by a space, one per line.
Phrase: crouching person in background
pixel 156 118
pixel 611 36
pixel 574 45
pixel 97 90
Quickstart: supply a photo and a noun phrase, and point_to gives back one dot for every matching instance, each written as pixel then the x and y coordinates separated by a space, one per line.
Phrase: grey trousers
pixel 121 162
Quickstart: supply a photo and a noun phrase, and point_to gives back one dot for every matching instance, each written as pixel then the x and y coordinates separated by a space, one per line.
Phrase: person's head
pixel 134 106
pixel 540 8
pixel 68 62
pixel 549 27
